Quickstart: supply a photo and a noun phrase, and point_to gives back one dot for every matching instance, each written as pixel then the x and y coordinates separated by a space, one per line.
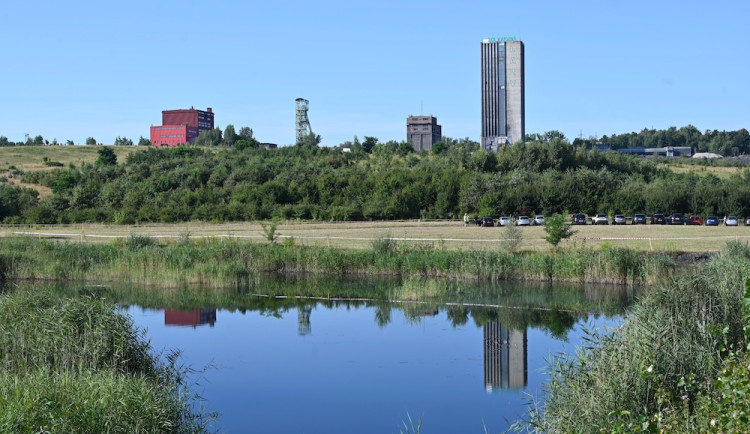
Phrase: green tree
pixel 123 141
pixel 245 133
pixel 90 141
pixel 557 230
pixel 230 136
pixel 144 141
pixel 369 144
pixel 107 157
pixel 209 138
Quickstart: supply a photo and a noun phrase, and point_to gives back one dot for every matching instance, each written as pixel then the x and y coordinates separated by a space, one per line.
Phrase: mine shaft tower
pixel 303 123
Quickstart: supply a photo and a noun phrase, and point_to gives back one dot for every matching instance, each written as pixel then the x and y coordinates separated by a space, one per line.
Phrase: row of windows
pixel 171 135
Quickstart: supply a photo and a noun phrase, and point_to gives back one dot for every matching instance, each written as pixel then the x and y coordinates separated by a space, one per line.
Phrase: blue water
pixel 337 371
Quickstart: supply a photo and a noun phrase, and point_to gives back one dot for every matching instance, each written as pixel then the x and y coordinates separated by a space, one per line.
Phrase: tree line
pixel 248 182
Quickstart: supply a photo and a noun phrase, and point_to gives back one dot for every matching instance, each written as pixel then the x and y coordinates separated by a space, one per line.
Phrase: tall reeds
pixel 220 262
pixel 676 337
pixel 76 365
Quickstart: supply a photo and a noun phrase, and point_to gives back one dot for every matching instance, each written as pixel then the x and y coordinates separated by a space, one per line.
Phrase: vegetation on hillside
pixel 248 182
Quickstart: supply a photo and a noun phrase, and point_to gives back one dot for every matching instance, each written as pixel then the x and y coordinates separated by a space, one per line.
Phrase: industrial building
pixel 181 126
pixel 503 94
pixel 423 132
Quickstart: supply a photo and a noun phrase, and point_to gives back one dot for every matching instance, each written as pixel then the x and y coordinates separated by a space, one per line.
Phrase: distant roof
pixel 709 155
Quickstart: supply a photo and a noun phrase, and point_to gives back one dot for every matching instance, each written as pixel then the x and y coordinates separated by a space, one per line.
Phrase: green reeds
pixel 76 365
pixel 675 338
pixel 221 262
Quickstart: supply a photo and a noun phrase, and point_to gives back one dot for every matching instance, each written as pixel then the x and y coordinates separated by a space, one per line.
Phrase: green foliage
pixel 557 230
pixel 678 364
pixel 511 237
pixel 77 365
pixel 90 141
pixel 270 230
pixel 384 244
pixel 107 156
pixel 248 182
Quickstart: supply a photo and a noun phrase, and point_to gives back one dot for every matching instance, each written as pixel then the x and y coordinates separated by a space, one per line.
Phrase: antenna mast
pixel 303 123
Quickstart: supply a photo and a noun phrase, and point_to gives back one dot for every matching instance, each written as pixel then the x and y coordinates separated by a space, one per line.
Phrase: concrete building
pixel 423 132
pixel 503 94
pixel 181 126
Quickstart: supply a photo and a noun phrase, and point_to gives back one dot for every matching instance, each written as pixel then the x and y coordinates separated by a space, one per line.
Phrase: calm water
pixel 364 367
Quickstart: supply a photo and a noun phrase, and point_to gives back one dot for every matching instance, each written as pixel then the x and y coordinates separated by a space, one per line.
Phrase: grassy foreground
pixel 222 262
pixel 678 364
pixel 76 365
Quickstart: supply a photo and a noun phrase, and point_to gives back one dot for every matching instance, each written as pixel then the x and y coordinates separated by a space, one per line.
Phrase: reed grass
pixel 76 365
pixel 222 262
pixel 675 339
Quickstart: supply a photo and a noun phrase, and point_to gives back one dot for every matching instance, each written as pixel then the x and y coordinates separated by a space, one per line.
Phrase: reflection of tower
pixel 193 317
pixel 505 357
pixel 303 320
pixel 303 123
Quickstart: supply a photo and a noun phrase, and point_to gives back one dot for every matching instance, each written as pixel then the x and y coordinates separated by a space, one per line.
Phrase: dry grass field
pixel 451 235
pixel 32 159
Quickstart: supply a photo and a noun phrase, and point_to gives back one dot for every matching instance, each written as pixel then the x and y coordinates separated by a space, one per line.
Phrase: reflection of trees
pixel 553 308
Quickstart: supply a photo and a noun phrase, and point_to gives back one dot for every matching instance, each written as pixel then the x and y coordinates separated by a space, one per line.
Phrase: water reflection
pixel 505 357
pixel 190 318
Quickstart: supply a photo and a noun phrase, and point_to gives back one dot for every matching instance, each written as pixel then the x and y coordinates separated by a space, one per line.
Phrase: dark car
pixel 579 219
pixel 487 222
pixel 712 220
pixel 658 219
pixel 639 219
pixel 694 220
pixel 676 219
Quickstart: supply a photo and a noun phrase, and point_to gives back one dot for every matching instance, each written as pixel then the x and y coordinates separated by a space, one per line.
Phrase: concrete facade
pixel 423 132
pixel 503 93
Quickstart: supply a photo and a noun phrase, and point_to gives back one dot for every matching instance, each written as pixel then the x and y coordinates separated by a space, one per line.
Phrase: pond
pixel 322 365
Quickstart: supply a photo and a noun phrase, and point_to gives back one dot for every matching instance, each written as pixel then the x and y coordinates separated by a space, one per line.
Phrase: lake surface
pixel 309 366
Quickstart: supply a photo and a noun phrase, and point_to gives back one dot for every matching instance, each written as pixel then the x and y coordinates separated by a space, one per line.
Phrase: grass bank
pixel 222 262
pixel 75 365
pixel 678 364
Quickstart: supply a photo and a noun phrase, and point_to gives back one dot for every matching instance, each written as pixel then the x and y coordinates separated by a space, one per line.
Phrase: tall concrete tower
pixel 503 107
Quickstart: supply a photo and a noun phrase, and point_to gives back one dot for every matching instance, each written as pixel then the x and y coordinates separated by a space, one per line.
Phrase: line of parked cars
pixel 523 220
pixel 618 219
pixel 657 219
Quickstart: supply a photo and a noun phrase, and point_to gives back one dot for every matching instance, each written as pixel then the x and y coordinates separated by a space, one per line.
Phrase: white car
pixel 731 221
pixel 600 219
pixel 538 220
pixel 523 221
pixel 503 221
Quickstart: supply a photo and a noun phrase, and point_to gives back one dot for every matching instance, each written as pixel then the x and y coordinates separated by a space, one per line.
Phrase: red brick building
pixel 181 126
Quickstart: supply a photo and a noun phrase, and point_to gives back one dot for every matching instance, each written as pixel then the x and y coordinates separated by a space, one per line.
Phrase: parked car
pixel 658 219
pixel 579 219
pixel 600 219
pixel 487 222
pixel 639 219
pixel 523 221
pixel 503 221
pixel 676 219
pixel 747 221
pixel 694 220
pixel 538 220
pixel 712 220
pixel 731 221
pixel 618 219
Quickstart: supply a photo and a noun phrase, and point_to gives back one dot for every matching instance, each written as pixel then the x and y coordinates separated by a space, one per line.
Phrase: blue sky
pixel 105 69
